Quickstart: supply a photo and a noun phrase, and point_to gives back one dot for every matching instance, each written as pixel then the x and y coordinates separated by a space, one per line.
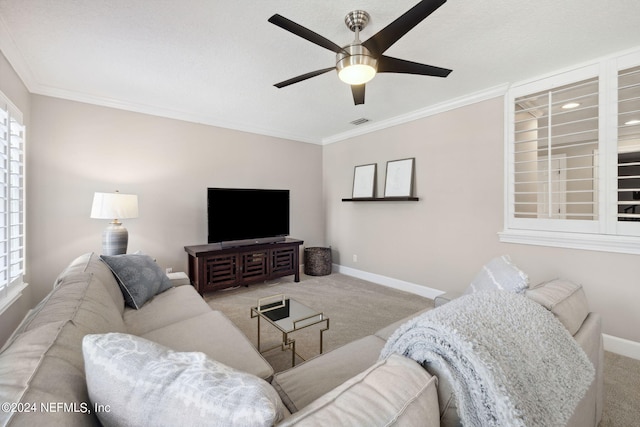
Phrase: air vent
pixel 360 121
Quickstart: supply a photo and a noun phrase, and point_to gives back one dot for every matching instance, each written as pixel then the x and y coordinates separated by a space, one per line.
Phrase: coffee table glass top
pixel 287 314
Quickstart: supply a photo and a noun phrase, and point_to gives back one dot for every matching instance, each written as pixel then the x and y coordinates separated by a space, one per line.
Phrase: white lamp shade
pixel 114 206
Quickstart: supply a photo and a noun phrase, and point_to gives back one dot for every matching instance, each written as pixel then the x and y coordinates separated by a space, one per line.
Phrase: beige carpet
pixel 357 308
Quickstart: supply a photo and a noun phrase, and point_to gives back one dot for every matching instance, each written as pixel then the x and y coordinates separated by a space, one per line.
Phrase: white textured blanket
pixel 510 362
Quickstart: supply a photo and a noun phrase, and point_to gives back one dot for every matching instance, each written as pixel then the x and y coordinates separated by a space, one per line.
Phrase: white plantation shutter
pixel 556 138
pixel 12 226
pixel 572 163
pixel 629 145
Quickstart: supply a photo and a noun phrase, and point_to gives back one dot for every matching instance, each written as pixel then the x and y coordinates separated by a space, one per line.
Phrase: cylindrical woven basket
pixel 317 261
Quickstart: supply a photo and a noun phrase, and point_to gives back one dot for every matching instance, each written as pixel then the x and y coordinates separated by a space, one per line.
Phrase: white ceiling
pixel 215 62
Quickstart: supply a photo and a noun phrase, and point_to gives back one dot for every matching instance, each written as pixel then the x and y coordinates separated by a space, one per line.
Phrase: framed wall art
pixel 364 181
pixel 399 178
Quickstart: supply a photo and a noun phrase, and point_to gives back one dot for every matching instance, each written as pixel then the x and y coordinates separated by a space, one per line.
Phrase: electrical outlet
pixel 355 258
pixel 169 270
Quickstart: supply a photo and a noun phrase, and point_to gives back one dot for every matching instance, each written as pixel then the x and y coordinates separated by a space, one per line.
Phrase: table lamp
pixel 114 206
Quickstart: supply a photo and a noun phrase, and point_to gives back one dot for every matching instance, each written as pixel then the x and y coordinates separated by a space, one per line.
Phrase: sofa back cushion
pixel 43 362
pixel 394 391
pixel 91 263
pixel 565 299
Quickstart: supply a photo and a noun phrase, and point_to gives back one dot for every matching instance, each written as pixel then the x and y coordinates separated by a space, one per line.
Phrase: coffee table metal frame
pixel 287 324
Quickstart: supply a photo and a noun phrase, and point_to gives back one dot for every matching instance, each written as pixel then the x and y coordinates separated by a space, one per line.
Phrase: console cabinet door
pixel 221 271
pixel 254 266
pixel 283 261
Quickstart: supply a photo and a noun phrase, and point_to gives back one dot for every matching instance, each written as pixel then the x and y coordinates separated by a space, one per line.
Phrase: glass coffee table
pixel 287 315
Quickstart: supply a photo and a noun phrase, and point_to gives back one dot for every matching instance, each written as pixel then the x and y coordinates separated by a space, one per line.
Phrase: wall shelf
pixel 383 199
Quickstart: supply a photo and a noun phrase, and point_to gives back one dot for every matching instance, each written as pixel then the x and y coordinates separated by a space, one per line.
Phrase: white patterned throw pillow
pixel 499 273
pixel 137 382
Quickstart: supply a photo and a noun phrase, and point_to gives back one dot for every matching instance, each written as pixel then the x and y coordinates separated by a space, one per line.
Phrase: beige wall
pixel 442 240
pixel 76 149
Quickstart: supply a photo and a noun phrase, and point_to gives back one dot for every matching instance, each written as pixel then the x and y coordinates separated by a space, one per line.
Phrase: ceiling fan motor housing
pixel 356 55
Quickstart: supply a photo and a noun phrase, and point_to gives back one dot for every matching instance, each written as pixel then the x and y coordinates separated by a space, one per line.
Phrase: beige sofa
pixel 564 299
pixel 42 363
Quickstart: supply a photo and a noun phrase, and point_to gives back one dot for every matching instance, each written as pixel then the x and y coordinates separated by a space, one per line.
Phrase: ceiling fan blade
pixel 387 64
pixel 303 77
pixel 305 33
pixel 383 39
pixel 358 94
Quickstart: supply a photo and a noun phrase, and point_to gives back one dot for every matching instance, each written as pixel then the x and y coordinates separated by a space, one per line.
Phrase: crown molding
pixel 452 104
pixel 167 113
pixel 14 57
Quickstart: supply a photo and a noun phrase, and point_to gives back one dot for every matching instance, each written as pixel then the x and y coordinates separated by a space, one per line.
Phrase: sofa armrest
pixel 566 300
pixel 395 390
pixel 306 382
pixel 179 279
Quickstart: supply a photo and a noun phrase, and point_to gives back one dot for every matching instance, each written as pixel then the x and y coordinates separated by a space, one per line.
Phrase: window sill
pixel 585 241
pixel 11 296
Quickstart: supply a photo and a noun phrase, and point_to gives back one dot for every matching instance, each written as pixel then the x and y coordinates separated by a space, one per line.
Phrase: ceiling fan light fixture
pixel 357 74
pixel 358 67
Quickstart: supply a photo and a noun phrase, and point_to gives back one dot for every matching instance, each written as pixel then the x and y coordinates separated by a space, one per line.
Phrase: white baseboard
pixel 621 346
pixel 613 344
pixel 389 282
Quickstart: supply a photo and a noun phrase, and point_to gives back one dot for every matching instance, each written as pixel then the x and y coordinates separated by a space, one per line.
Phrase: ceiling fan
pixel 358 62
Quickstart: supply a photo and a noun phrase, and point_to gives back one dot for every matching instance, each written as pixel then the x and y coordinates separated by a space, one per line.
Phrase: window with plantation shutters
pixel 555 145
pixel 12 226
pixel 629 145
pixel 572 162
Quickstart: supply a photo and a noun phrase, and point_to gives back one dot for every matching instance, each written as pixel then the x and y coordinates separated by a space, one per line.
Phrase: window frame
pixel 12 287
pixel 605 233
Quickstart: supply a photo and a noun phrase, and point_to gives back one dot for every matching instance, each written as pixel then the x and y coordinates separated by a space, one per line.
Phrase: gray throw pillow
pixel 139 382
pixel 499 274
pixel 139 277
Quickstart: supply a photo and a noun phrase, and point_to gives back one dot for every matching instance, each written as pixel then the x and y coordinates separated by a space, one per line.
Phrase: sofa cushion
pixel 499 273
pixel 394 391
pixel 19 361
pixel 139 277
pixel 43 366
pixel 164 309
pixel 565 299
pixel 44 361
pixel 215 335
pixel 102 273
pixel 79 297
pixel 304 383
pixel 91 263
pixel 145 383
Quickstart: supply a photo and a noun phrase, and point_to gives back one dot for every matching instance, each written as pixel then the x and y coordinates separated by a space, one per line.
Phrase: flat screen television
pixel 238 216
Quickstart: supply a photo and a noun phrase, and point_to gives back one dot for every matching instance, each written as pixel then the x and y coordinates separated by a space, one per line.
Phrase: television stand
pixel 213 267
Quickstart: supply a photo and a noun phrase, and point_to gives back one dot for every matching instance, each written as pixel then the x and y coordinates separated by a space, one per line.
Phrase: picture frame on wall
pixel 364 181
pixel 399 178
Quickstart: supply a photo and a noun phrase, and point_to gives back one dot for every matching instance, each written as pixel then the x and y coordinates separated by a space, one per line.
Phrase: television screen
pixel 241 214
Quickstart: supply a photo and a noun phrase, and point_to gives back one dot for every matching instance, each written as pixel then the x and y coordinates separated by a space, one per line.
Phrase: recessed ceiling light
pixel 570 105
pixel 632 122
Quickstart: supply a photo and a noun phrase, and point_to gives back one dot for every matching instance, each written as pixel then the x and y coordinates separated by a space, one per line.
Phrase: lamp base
pixel 115 239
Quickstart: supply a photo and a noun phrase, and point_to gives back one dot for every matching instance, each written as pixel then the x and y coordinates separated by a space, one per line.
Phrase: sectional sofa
pixel 88 355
